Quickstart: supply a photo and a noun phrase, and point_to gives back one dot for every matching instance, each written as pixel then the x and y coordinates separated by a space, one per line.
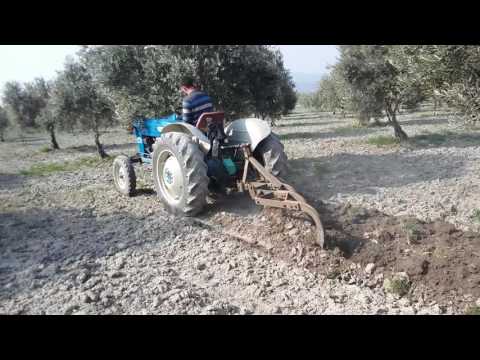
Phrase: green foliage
pixel 24 102
pixel 333 94
pixel 398 285
pixel 412 230
pixel 452 73
pixel 381 80
pixel 4 123
pixel 143 81
pixel 77 102
pixel 476 215
pixel 382 141
pixel 473 310
pixel 45 149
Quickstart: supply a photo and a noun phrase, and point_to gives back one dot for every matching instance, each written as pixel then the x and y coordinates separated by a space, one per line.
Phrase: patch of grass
pixel 45 149
pixel 44 169
pixel 383 141
pixel 398 285
pixel 473 310
pixel 412 231
pixel 476 215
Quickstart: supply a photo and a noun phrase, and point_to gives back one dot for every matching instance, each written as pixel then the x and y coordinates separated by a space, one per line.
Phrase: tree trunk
pixel 2 139
pixel 53 139
pixel 399 133
pixel 100 149
pixel 392 119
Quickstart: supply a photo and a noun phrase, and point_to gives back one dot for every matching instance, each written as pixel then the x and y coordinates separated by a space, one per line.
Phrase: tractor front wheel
pixel 124 175
pixel 180 174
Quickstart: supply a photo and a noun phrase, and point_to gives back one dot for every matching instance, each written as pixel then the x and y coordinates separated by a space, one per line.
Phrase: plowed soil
pixel 441 261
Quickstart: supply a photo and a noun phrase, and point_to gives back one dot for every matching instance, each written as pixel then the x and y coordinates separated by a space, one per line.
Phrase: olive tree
pixel 40 91
pixel 50 119
pixel 452 75
pixel 143 81
pixel 21 104
pixel 333 93
pixel 3 123
pixel 137 80
pixel 77 102
pixel 381 77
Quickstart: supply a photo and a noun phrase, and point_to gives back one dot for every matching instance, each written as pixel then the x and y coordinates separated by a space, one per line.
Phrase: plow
pixel 188 162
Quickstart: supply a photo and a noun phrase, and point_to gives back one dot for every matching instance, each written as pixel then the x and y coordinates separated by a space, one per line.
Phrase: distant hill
pixel 306 83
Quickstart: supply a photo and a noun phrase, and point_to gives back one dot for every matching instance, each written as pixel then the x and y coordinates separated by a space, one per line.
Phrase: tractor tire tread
pixel 131 183
pixel 195 173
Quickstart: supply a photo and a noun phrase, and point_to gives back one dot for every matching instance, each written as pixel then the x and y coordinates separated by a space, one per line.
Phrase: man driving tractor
pixel 195 103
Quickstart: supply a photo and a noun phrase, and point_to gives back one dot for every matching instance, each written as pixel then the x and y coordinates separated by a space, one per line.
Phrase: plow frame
pixel 269 191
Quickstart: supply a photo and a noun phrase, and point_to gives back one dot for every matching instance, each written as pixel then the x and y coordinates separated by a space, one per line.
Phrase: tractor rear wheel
pixel 270 152
pixel 124 175
pixel 180 174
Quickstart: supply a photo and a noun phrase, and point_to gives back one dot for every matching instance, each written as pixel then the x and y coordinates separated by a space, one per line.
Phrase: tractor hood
pixel 248 131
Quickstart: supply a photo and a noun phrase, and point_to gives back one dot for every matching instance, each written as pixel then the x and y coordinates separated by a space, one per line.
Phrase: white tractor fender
pixel 188 129
pixel 251 131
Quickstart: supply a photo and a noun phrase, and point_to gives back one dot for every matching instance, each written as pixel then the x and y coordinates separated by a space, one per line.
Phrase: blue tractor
pixel 187 162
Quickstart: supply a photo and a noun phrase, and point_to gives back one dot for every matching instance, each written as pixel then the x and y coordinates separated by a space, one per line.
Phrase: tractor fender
pixel 251 131
pixel 188 129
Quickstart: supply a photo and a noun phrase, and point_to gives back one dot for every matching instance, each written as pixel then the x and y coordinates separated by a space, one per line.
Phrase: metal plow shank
pixel 270 191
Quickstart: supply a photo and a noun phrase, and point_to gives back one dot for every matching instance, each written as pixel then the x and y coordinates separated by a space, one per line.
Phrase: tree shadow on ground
pixel 29 140
pixel 11 181
pixel 306 115
pixel 364 174
pixel 447 139
pixel 432 121
pixel 308 123
pixel 336 133
pixel 144 192
pixel 57 238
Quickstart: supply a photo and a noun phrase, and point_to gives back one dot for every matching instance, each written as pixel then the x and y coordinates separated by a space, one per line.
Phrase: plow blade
pixel 270 191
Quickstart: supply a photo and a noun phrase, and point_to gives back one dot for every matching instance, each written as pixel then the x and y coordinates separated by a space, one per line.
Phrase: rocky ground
pixel 400 222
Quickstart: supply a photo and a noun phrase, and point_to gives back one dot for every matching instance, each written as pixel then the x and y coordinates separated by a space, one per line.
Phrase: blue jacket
pixel 194 105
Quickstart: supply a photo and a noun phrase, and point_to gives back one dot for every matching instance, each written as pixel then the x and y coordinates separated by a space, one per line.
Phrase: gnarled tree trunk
pixel 392 119
pixel 53 139
pixel 100 149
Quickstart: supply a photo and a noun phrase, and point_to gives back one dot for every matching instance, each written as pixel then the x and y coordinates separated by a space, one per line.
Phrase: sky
pixel 309 59
pixel 25 62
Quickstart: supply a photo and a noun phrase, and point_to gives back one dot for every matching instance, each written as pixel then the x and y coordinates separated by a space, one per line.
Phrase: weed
pixel 473 310
pixel 383 141
pixel 412 231
pixel 398 285
pixel 476 215
pixel 45 149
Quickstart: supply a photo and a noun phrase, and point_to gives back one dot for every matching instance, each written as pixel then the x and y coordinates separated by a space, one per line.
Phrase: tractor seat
pixel 209 117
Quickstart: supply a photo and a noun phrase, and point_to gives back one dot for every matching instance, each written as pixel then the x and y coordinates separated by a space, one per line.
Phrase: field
pixel 402 224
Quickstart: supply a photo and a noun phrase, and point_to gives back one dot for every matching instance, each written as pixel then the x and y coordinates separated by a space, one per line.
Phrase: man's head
pixel 187 85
